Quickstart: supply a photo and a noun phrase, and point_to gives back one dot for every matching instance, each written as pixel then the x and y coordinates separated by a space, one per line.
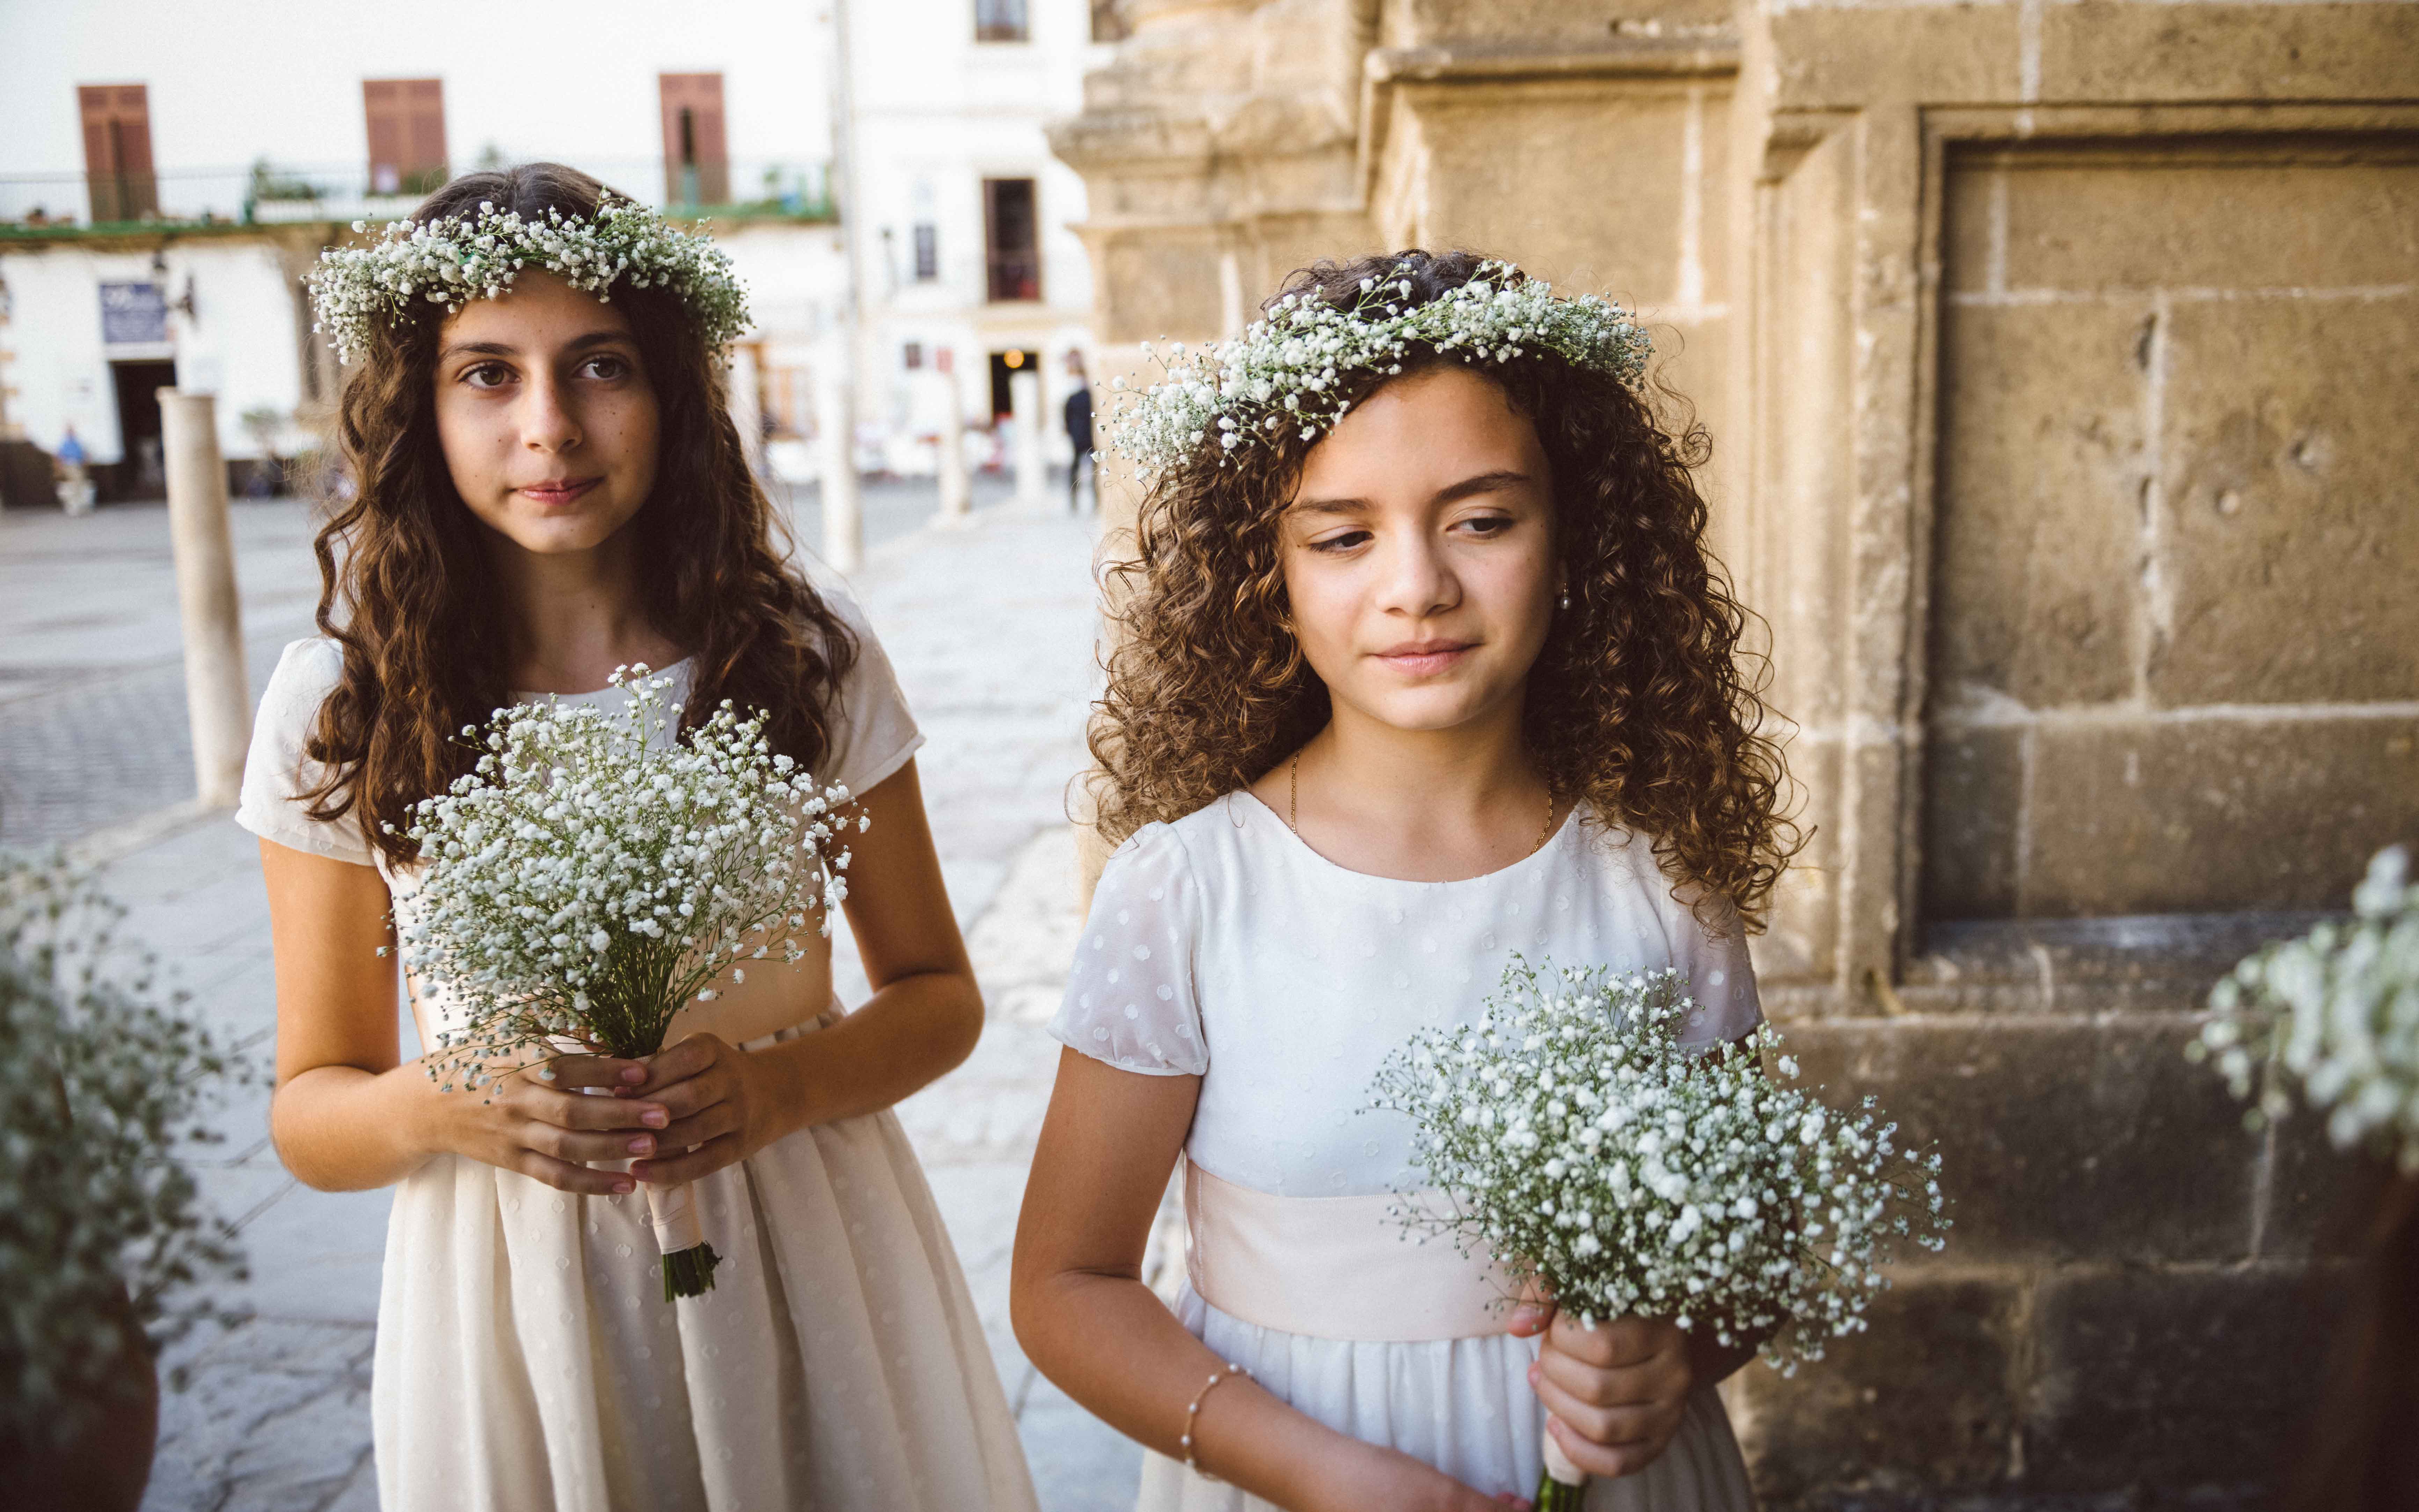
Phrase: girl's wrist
pixel 428 1122
pixel 1364 1475
pixel 780 1087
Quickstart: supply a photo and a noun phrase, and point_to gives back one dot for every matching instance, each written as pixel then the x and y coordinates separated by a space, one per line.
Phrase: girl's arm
pixel 1085 1320
pixel 347 1115
pixel 923 1018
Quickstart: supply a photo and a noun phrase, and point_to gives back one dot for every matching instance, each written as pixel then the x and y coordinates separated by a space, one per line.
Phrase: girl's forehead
pixel 1419 433
pixel 539 307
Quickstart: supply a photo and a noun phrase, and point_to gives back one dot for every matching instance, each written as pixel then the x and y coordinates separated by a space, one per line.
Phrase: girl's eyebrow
pixel 499 348
pixel 1495 481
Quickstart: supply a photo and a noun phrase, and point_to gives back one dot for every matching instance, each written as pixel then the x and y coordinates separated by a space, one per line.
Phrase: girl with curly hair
pixel 1424 661
pixel 550 485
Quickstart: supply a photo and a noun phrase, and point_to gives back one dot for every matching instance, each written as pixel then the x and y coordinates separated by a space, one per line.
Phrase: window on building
pixel 1109 22
pixel 999 21
pixel 117 151
pixel 697 165
pixel 927 253
pixel 1011 226
pixel 913 355
pixel 407 122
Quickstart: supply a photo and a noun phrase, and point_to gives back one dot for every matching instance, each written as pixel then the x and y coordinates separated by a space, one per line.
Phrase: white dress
pixel 1222 946
pixel 526 1358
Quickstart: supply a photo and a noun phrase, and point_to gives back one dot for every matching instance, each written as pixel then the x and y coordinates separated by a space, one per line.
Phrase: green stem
pixel 1553 1496
pixel 689 1273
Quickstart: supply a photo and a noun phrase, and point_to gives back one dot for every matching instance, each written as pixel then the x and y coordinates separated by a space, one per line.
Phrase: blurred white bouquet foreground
pixel 2336 1012
pixel 1587 1149
pixel 596 872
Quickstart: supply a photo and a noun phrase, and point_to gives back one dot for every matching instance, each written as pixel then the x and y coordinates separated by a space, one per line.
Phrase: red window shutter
pixel 116 119
pixel 93 105
pixel 407 134
pixel 697 162
pixel 133 112
pixel 425 100
pixel 385 123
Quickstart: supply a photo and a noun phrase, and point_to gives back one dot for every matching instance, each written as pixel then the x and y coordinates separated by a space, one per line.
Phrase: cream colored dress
pixel 1222 947
pixel 526 1358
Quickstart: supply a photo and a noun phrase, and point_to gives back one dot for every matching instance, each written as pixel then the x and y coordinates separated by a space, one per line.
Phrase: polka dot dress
pixel 1222 946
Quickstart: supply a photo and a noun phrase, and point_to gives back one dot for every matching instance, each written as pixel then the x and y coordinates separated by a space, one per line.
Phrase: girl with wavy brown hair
pixel 1424 661
pixel 548 486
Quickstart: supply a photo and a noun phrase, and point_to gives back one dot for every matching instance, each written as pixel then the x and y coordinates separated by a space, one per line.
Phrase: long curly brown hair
pixel 406 588
pixel 1642 703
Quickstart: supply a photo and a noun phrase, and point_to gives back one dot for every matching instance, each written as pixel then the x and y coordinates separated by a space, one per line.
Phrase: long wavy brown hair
pixel 408 590
pixel 1643 703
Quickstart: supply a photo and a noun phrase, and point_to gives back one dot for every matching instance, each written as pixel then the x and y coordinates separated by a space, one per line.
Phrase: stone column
pixel 843 513
pixel 1025 401
pixel 957 485
pixel 218 696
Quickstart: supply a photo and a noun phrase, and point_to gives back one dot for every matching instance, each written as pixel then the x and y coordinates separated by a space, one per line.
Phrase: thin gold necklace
pixel 1293 806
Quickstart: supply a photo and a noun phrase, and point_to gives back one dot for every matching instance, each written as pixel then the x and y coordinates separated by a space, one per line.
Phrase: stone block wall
pixel 2058 360
pixel 2172 612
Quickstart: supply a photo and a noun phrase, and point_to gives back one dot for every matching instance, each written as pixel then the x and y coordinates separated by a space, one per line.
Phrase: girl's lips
pixel 1424 661
pixel 556 494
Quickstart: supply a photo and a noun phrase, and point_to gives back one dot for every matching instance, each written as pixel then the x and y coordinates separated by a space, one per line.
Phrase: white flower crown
pixel 458 260
pixel 1284 369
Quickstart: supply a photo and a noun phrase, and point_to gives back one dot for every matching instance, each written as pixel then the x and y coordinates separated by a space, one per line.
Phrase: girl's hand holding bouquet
pixel 718 1115
pixel 1613 1393
pixel 549 1122
pixel 596 874
pixel 1652 1188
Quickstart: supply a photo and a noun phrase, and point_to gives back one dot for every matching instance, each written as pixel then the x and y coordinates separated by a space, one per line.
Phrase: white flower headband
pixel 455 261
pixel 1284 369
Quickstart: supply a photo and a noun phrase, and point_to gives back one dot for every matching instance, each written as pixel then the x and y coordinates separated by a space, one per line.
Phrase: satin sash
pixel 1334 1268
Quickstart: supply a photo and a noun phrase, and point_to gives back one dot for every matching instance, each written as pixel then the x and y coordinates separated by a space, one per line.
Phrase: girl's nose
pixel 547 423
pixel 1417 580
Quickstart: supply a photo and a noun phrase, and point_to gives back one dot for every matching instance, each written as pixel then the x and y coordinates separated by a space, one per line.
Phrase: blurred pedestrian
pixel 75 487
pixel 551 486
pixel 1079 436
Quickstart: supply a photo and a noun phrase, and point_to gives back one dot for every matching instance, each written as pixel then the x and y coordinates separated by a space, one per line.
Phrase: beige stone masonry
pixel 2059 360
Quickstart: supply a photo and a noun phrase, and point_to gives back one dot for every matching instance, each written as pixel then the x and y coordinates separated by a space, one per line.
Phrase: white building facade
pixel 185 267
pixel 970 269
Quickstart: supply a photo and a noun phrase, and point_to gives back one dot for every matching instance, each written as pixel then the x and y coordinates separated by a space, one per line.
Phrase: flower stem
pixel 1558 1496
pixel 689 1273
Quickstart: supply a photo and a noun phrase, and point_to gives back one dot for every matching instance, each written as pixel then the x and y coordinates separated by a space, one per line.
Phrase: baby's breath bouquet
pixel 1589 1150
pixel 595 873
pixel 2335 1014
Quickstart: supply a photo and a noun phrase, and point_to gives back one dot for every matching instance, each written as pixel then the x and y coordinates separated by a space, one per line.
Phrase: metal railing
pixel 269 193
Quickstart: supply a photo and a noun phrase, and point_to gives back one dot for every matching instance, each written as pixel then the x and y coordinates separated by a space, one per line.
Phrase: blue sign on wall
pixel 132 314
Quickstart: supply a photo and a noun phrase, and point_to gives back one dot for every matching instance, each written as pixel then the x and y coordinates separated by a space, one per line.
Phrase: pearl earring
pixel 1566 598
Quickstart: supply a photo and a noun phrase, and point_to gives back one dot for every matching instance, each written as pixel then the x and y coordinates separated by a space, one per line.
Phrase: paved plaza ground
pixel 991 629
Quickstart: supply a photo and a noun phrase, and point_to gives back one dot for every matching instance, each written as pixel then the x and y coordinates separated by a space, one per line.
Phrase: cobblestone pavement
pixel 991 629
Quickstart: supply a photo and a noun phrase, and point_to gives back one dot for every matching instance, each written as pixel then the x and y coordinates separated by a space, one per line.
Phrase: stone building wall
pixel 2058 360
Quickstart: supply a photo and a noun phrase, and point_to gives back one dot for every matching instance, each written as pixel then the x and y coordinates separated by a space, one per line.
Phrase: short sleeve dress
pixel 1222 946
pixel 526 1358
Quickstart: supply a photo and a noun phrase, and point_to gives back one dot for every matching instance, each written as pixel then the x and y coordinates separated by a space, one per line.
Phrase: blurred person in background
pixel 1079 436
